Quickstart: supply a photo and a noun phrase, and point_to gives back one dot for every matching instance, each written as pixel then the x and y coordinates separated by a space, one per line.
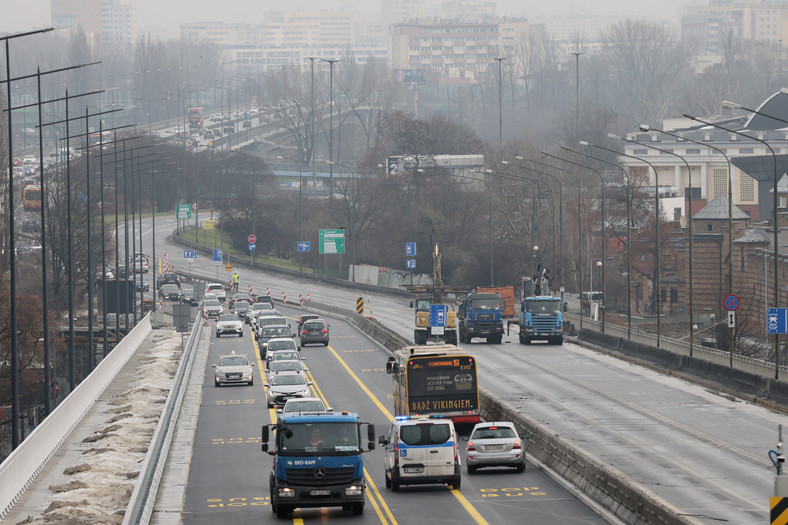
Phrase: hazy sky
pixel 22 15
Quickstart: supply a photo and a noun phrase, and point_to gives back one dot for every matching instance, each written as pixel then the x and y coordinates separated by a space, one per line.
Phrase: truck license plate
pixel 413 470
pixel 320 492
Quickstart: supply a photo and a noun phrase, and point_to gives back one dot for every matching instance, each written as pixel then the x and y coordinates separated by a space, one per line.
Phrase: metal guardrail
pixel 143 497
pixel 19 469
pixel 681 347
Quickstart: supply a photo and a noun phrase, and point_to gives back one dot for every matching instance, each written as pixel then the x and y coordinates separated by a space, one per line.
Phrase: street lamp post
pixel 629 224
pixel 300 210
pixel 646 128
pixel 312 119
pixel 689 227
pixel 604 237
pixel 775 227
pixel 353 234
pixel 658 298
pixel 331 62
pixel 500 106
pixel 577 94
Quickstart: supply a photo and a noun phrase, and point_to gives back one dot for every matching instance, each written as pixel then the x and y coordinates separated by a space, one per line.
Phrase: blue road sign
pixel 410 263
pixel 303 246
pixel 731 302
pixel 410 249
pixel 777 320
pixel 252 246
pixel 189 254
pixel 438 314
pixel 217 256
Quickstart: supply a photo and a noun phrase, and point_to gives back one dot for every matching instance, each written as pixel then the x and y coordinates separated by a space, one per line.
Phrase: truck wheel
pixel 498 339
pixel 282 512
pixel 560 340
pixel 358 509
pixel 456 483
pixel 395 485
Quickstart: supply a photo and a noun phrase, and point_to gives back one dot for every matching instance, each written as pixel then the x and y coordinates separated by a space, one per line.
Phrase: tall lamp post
pixel 560 268
pixel 577 93
pixel 604 237
pixel 312 118
pixel 353 234
pixel 647 129
pixel 331 62
pixel 776 277
pixel 689 227
pixel 500 106
pixel 300 208
pixel 658 297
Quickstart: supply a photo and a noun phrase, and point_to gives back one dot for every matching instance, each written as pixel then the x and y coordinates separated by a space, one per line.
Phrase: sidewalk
pixel 91 477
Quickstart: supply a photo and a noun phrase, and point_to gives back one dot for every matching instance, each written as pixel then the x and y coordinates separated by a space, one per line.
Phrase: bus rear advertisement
pixel 31 198
pixel 435 380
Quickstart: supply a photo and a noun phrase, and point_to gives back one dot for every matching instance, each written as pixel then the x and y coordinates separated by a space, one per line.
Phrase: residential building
pixel 455 52
pixel 110 21
pixel 399 11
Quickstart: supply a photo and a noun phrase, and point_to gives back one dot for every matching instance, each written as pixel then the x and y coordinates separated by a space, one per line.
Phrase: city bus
pixel 195 118
pixel 435 380
pixel 31 198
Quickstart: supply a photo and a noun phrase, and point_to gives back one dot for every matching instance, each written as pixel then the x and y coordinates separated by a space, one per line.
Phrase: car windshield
pixel 236 360
pixel 286 366
pixel 276 331
pixel 265 321
pixel 543 307
pixel 212 302
pixel 281 345
pixel 263 306
pixel 493 433
pixel 229 317
pixel 486 304
pixel 304 406
pixel 243 305
pixel 425 434
pixel 314 326
pixel 167 288
pixel 283 356
pixel 323 438
pixel 288 379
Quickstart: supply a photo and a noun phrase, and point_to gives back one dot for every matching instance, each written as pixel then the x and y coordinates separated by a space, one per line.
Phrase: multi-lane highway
pixel 228 479
pixel 703 453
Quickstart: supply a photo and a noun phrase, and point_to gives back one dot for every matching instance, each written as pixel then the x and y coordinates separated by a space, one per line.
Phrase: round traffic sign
pixel 731 302
pixel 252 246
pixel 252 238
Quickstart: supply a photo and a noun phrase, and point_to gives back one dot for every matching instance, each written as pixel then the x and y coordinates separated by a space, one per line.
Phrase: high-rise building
pixel 400 11
pixel 101 20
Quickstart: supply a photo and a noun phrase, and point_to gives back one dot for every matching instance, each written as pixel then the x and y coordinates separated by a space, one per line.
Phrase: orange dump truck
pixel 507 298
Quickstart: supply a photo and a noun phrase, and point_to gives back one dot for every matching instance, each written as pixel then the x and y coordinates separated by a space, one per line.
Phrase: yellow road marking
pixel 457 494
pixel 374 488
pixel 261 367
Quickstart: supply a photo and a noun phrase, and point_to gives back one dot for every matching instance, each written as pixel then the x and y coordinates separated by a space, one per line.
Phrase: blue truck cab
pixel 317 461
pixel 541 319
pixel 480 315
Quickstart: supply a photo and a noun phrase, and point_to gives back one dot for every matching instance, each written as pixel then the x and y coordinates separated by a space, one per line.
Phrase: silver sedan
pixel 495 444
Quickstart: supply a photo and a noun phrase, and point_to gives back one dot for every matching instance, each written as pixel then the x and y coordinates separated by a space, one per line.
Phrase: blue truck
pixel 541 319
pixel 480 315
pixel 317 461
pixel 541 312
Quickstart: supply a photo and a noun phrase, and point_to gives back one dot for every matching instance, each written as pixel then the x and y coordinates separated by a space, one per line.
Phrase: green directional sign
pixel 332 241
pixel 184 211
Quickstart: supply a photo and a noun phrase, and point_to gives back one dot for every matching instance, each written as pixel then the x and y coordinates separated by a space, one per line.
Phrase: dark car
pixel 264 299
pixel 304 318
pixel 169 278
pixel 171 292
pixel 314 331
pixel 270 332
pixel 241 308
pixel 142 284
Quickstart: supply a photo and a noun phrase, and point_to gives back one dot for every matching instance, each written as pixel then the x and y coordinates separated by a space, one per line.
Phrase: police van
pixel 421 450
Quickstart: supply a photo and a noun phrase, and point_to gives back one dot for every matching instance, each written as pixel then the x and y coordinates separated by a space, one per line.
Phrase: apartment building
pixel 103 21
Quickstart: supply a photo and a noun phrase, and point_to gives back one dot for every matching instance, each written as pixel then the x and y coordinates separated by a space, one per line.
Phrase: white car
pixel 285 386
pixel 229 324
pixel 233 369
pixel 212 307
pixel 218 289
pixel 287 365
pixel 311 405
